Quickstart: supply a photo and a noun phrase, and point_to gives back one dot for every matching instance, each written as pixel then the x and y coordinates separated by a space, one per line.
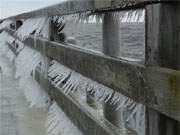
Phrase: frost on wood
pixel 70 81
pixel 36 26
pixel 58 123
pixel 35 95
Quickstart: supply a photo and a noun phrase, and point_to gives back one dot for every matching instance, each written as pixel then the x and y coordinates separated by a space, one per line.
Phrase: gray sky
pixel 14 7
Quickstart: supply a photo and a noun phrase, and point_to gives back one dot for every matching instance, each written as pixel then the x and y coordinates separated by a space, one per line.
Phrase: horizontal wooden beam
pixel 79 6
pixel 156 87
pixel 88 120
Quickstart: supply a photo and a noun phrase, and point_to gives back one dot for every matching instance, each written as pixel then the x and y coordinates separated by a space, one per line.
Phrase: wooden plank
pixel 85 118
pixel 156 87
pixel 158 124
pixel 78 6
pixel 162 34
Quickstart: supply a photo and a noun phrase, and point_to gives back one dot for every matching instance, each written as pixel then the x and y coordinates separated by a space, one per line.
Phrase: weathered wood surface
pixel 79 6
pixel 163 35
pixel 85 118
pixel 158 124
pixel 156 87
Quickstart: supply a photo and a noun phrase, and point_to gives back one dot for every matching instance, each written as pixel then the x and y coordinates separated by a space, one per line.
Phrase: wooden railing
pixel 156 84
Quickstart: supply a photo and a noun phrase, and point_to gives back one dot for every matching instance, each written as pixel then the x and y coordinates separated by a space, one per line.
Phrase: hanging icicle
pixel 32 26
pixel 35 95
pixel 26 63
pixel 59 124
pixel 70 81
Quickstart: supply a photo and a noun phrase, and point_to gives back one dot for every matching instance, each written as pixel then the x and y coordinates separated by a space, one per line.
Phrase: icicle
pixel 26 63
pixel 35 95
pixel 70 81
pixel 58 123
pixel 31 25
pixel 131 15
pixel 135 118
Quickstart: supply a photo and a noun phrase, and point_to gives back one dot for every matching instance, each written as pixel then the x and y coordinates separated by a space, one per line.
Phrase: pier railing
pixel 154 83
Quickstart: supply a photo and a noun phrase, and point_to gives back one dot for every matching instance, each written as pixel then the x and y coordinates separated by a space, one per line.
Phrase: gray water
pixel 89 36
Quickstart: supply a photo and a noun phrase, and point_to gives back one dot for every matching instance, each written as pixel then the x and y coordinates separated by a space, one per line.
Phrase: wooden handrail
pixel 80 6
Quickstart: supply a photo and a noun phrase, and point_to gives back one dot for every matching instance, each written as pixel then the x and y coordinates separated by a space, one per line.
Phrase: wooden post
pixel 18 24
pixel 162 35
pixel 111 47
pixel 111 44
pixel 162 49
pixel 159 124
pixel 114 116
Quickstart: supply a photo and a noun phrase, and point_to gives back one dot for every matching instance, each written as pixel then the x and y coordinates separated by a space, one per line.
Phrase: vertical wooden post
pixel 114 116
pixel 111 47
pixel 162 35
pixel 18 24
pixel 111 43
pixel 159 124
pixel 162 49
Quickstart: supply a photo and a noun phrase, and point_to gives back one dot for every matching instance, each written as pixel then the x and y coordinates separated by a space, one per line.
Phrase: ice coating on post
pixel 34 26
pixel 58 123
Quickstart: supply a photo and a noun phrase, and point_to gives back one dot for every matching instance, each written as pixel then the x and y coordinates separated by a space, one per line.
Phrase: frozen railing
pixel 154 83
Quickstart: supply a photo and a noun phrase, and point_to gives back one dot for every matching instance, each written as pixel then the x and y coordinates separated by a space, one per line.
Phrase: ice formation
pixel 10 55
pixel 5 24
pixel 26 63
pixel 5 37
pixel 59 124
pixel 122 16
pixel 33 25
pixel 35 95
pixel 4 50
pixel 20 45
pixel 69 81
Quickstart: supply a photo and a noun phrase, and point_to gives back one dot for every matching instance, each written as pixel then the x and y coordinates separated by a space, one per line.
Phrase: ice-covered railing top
pixel 79 6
